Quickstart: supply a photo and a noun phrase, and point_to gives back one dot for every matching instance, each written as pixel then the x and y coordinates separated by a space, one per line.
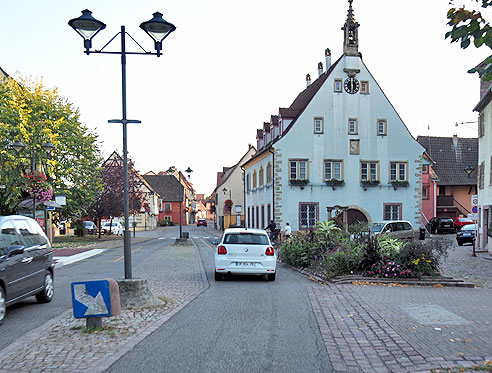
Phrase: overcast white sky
pixel 230 65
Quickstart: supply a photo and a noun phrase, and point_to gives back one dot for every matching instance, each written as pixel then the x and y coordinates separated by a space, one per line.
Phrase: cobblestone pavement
pixel 375 328
pixel 461 264
pixel 175 276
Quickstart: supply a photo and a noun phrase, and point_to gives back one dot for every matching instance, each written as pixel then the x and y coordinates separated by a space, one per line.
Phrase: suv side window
pixel 31 236
pixel 8 237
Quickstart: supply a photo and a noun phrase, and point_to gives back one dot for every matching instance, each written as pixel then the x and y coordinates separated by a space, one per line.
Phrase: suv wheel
pixel 271 276
pixel 2 305
pixel 218 276
pixel 46 295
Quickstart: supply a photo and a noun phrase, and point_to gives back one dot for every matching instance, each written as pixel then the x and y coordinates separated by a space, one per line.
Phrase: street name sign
pixel 91 299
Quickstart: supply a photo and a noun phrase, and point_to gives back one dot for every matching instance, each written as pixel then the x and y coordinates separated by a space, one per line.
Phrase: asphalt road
pixel 27 315
pixel 241 324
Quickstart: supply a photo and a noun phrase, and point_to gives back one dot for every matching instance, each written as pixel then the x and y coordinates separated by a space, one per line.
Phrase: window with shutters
pixel 481 175
pixel 260 175
pixel 481 125
pixel 254 179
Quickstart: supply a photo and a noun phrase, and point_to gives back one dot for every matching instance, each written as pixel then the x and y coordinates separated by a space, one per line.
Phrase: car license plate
pixel 245 264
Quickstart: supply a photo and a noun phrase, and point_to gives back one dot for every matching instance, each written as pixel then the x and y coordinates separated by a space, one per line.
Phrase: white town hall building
pixel 340 149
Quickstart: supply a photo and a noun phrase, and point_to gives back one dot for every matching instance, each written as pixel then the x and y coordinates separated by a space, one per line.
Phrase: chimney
pixel 320 69
pixel 328 58
pixel 455 139
pixel 308 80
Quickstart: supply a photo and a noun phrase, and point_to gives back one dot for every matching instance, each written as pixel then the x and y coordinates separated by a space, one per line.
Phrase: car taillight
pixel 269 251
pixel 221 250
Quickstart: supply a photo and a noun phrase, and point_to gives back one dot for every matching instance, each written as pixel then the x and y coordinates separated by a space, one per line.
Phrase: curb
pixel 152 328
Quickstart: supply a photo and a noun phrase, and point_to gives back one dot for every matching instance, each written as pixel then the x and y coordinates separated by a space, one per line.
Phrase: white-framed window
pixel 318 125
pixel 382 128
pixel 269 173
pixel 425 191
pixel 167 218
pixel 298 169
pixel 333 169
pixel 364 87
pixel 369 170
pixel 392 211
pixel 353 126
pixel 167 207
pixel 398 171
pixel 337 85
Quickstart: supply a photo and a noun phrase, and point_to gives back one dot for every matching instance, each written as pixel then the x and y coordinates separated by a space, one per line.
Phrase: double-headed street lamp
pixel 48 147
pixel 158 29
pixel 172 170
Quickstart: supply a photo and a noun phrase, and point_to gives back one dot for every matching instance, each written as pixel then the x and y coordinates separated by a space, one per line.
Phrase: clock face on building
pixel 351 85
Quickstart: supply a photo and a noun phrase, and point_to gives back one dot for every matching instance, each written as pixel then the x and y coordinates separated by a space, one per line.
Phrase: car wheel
pixel 218 276
pixel 3 308
pixel 460 243
pixel 271 277
pixel 46 295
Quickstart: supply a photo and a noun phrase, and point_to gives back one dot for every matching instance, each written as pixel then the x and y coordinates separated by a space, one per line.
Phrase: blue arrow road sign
pixel 91 299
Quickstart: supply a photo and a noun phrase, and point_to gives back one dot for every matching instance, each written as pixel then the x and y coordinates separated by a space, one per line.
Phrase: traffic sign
pixel 50 208
pixel 474 200
pixel 473 216
pixel 91 299
pixel 475 209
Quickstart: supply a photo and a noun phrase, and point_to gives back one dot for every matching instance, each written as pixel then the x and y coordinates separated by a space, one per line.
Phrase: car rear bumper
pixel 260 267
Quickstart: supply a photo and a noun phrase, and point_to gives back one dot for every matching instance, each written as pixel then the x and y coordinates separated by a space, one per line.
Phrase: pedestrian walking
pixel 273 230
pixel 288 231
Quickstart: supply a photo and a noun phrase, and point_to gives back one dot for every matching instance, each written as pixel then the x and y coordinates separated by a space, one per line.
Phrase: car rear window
pixel 469 227
pixel 246 238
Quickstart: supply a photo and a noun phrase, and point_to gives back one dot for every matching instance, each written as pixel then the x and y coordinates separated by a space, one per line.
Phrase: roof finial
pixel 351 40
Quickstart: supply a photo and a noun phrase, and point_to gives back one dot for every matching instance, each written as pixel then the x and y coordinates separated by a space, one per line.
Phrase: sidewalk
pixel 176 276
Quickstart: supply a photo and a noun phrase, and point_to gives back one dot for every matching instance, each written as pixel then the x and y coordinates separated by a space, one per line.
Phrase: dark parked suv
pixel 26 262
pixel 441 225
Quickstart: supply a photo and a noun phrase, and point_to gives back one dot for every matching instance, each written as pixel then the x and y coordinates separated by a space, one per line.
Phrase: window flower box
pixel 396 184
pixel 369 183
pixel 299 182
pixel 334 183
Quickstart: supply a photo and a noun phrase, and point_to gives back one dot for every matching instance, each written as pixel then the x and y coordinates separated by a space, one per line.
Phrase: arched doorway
pixel 355 216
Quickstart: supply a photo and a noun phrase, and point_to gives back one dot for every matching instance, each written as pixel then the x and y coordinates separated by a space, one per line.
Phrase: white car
pixel 114 227
pixel 246 252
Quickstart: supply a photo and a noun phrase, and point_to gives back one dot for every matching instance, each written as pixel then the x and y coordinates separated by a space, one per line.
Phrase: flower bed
pixel 327 251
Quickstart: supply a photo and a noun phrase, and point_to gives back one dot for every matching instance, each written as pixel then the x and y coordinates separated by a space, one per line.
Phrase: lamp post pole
pixel 158 29
pixel 172 170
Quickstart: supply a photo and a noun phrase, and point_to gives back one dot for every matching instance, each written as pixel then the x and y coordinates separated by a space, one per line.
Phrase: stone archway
pixel 355 216
pixel 352 215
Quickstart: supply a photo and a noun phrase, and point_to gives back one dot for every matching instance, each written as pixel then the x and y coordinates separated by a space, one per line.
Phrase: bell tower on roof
pixel 351 38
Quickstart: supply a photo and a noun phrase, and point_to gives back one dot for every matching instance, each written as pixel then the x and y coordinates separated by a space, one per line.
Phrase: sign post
pixel 474 217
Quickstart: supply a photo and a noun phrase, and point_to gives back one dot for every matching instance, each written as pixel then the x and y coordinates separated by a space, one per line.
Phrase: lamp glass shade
pixel 48 147
pixel 188 170
pixel 157 28
pixel 170 170
pixel 18 146
pixel 86 25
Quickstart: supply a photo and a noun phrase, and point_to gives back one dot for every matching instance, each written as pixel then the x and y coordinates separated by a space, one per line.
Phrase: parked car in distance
pixel 113 228
pixel 90 227
pixel 201 222
pixel 243 251
pixel 400 229
pixel 26 262
pixel 440 225
pixel 466 234
pixel 458 223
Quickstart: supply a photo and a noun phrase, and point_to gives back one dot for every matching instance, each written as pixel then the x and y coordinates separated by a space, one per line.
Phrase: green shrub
pixel 79 229
pixel 389 247
pixel 340 262
pixel 424 257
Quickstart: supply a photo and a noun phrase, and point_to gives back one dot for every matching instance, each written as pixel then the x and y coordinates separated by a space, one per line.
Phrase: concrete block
pixel 135 293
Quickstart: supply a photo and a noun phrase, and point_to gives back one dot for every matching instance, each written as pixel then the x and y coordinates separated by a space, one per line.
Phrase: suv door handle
pixel 27 260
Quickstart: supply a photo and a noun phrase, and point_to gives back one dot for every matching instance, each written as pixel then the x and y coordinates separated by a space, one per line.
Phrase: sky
pixel 231 64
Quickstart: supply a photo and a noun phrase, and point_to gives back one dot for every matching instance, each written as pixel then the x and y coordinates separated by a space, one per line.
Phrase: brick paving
pixel 175 276
pixel 375 328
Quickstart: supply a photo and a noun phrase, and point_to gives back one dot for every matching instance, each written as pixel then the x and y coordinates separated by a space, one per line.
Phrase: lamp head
pixel 469 169
pixel 158 29
pixel 48 147
pixel 171 170
pixel 87 27
pixel 18 146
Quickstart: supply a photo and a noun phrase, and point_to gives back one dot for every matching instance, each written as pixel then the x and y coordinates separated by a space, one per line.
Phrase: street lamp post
pixel 172 170
pixel 225 190
pixel 48 147
pixel 469 169
pixel 158 29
